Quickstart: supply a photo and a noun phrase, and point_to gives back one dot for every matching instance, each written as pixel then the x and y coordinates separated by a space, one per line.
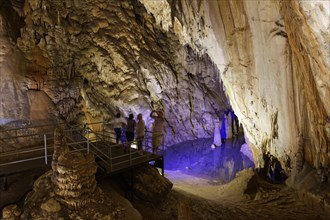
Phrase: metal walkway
pixel 96 138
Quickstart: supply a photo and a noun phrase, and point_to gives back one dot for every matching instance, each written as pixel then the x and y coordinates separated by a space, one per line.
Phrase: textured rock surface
pixel 273 58
pixel 11 212
pixel 147 184
pixel 94 58
pixel 312 189
pixel 125 61
pixel 73 175
pixel 69 190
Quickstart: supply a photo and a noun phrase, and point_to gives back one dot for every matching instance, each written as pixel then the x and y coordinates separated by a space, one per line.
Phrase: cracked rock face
pixel 269 60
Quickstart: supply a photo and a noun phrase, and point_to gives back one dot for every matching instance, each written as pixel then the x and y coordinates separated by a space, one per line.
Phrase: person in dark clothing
pixel 130 129
pixel 223 129
pixel 234 123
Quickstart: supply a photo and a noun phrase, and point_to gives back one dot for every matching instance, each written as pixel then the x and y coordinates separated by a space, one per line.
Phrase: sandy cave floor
pixel 228 201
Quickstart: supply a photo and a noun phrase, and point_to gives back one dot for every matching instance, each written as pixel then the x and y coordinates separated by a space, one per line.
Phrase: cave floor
pixel 209 184
pixel 205 200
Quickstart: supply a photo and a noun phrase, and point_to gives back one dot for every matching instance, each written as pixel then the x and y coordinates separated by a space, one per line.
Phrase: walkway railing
pixel 111 156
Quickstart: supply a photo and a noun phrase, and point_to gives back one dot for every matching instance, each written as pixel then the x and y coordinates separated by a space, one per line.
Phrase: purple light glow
pixel 198 159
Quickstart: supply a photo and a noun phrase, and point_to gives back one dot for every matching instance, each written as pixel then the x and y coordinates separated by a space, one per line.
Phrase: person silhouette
pixel 118 123
pixel 130 129
pixel 140 132
pixel 157 129
pixel 223 130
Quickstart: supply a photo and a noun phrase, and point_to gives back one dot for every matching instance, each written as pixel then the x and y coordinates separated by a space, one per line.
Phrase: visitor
pixel 157 129
pixel 223 130
pixel 234 123
pixel 217 136
pixel 118 123
pixel 130 131
pixel 140 132
pixel 229 133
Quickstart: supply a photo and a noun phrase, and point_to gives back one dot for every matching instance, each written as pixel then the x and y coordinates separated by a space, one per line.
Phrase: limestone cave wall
pixel 273 57
pixel 95 58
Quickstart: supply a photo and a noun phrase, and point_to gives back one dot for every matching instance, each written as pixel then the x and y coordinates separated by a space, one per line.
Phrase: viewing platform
pixel 29 148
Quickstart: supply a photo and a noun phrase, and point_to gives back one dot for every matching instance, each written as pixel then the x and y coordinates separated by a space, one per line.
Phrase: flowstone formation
pixel 124 61
pixel 69 190
pixel 73 175
pixel 273 57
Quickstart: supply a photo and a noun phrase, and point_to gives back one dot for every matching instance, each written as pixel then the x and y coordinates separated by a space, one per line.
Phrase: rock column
pixel 73 174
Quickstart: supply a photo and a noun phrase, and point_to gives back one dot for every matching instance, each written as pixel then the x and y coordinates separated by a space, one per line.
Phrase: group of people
pixel 131 128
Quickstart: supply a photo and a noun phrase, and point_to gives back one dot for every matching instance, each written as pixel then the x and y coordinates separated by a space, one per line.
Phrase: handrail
pixel 21 136
pixel 24 160
pixel 22 151
pixel 89 145
pixel 86 140
pixel 2 129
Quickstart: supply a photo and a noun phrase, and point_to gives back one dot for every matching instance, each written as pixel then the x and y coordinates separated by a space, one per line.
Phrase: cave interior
pixel 244 87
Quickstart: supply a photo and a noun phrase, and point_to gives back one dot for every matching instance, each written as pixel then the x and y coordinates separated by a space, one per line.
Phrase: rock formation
pixel 147 184
pixel 117 58
pixel 11 212
pixel 68 191
pixel 73 175
pixel 268 60
pixel 277 82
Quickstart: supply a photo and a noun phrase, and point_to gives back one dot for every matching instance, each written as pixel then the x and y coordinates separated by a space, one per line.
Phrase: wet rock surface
pixel 198 198
pixel 197 194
